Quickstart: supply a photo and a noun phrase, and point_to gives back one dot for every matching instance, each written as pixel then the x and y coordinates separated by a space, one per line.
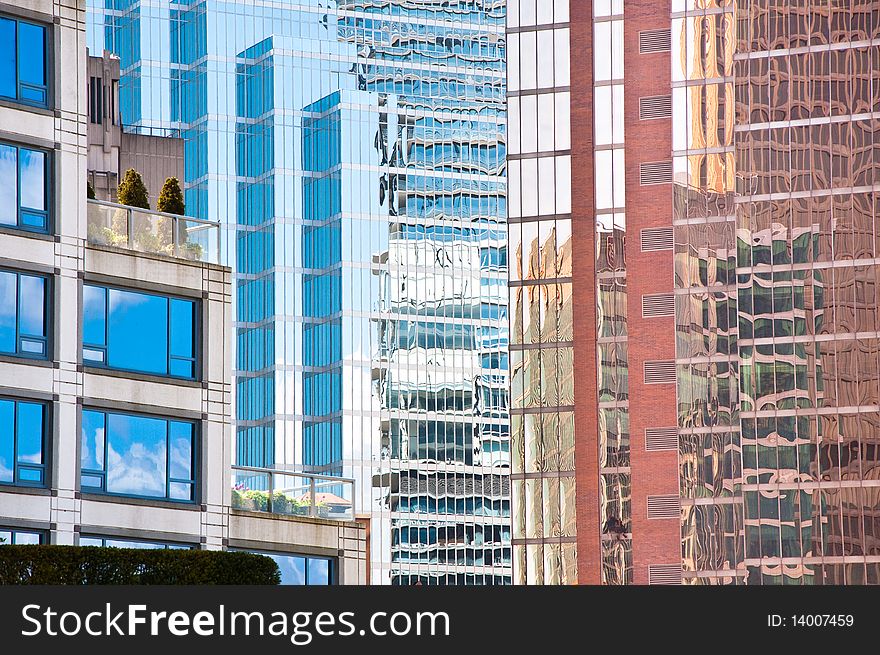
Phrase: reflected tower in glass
pixel 355 153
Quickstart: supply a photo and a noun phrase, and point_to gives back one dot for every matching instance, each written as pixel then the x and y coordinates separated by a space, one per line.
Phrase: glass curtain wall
pixel 542 348
pixel 354 150
pixel 615 474
pixel 776 275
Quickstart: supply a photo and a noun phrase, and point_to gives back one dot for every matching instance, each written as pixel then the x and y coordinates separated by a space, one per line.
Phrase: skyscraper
pixel 726 403
pixel 354 151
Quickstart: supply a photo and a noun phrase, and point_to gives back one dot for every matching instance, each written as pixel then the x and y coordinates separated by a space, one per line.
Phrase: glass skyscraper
pixel 354 151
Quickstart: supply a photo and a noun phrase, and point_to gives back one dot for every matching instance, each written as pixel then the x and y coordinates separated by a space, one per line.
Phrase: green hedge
pixel 77 565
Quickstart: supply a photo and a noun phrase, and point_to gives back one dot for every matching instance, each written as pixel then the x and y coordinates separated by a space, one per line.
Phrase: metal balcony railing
pixel 145 230
pixel 289 493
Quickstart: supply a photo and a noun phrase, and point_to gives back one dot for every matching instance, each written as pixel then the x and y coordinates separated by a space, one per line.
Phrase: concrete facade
pixel 59 510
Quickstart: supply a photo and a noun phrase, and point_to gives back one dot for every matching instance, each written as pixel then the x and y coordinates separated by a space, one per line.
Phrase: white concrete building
pixel 115 350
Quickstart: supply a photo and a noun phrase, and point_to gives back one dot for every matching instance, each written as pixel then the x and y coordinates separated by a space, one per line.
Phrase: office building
pixel 722 236
pixel 115 350
pixel 354 154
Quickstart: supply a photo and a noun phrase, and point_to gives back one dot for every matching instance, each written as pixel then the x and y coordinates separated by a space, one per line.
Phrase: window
pixel 24 193
pixel 23 312
pixel 22 443
pixel 96 100
pixel 13 536
pixel 302 570
pixel 141 332
pixel 23 58
pixel 113 542
pixel 139 456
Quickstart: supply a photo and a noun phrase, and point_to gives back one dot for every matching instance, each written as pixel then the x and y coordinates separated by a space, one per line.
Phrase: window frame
pixel 158 543
pixel 47 63
pixel 42 534
pixel 332 563
pixel 44 468
pixel 47 189
pixel 195 481
pixel 47 317
pixel 196 359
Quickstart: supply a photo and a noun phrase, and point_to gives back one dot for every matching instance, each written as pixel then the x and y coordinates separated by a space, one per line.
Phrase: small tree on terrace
pixel 171 198
pixel 132 191
pixel 171 202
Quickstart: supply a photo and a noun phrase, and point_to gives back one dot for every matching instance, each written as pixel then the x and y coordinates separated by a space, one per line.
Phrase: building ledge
pixel 119 250
pixel 28 234
pixel 142 502
pixel 142 377
pixel 294 518
pixel 27 361
pixel 30 491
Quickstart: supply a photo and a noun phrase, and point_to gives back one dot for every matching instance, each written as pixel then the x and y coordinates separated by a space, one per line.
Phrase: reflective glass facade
pixel 615 475
pixel 775 204
pixel 541 301
pixel 355 152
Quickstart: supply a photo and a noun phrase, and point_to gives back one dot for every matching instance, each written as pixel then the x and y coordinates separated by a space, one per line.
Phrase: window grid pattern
pixel 542 356
pixel 777 273
pixel 615 503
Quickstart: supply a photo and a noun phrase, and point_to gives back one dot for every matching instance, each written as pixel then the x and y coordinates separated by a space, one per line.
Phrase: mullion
pixel 168 341
pixel 15 476
pixel 17 318
pixel 106 450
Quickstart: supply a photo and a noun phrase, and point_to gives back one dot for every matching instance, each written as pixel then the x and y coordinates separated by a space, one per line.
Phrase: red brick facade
pixel 584 290
pixel 655 541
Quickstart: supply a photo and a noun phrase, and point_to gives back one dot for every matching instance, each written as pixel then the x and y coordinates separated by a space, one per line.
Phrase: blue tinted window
pixel 23 194
pixel 23 62
pixel 23 315
pixel 7 58
pixel 143 332
pixel 302 570
pixel 142 456
pixel 22 442
pixel 92 443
